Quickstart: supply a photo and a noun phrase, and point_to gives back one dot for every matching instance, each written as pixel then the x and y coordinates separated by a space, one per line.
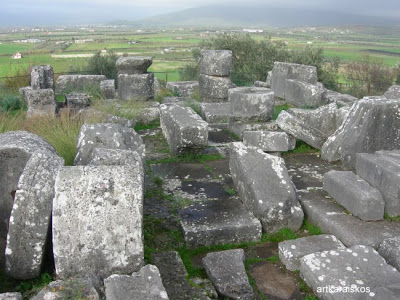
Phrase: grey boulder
pixel 389 249
pixel 393 92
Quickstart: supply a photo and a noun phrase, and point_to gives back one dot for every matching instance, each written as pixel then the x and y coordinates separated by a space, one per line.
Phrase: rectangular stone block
pixel 42 77
pixel 355 194
pixel 77 100
pixel 40 102
pixel 136 86
pixel 215 62
pixel 184 130
pixel 183 88
pixel 215 112
pixel 78 83
pixel 302 94
pixel 107 89
pixel 214 89
pixel 269 141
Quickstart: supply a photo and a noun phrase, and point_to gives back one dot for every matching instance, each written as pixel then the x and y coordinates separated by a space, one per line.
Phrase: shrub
pixel 10 102
pixel 103 65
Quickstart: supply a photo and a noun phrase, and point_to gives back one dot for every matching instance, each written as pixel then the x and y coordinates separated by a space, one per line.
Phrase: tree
pixel 103 65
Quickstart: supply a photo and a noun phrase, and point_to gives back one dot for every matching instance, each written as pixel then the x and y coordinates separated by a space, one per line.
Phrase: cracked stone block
pixel 283 71
pixel 107 89
pixel 265 187
pixel 251 103
pixel 302 93
pixel 215 62
pixel 106 206
pixel 40 102
pixel 372 125
pixel 42 77
pixel 130 65
pixel 389 249
pixel 269 141
pixel 226 271
pixel 238 127
pixel 78 100
pixel 184 130
pixel 78 83
pixel 358 272
pixel 292 251
pixel 355 194
pixel 108 136
pixel 214 88
pixel 136 87
pixel 144 285
pixel 382 173
pixel 183 88
pixel 215 112
pixel 218 222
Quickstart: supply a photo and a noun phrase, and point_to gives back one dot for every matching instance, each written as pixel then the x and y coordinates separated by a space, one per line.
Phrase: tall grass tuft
pixel 10 122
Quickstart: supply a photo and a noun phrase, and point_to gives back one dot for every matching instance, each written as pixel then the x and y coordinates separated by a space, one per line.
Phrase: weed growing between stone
pixel 278 109
pixel 310 228
pixel 301 147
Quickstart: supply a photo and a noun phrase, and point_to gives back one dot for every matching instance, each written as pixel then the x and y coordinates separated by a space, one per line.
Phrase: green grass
pixel 188 158
pixel 311 229
pixel 10 102
pixel 391 219
pixel 280 236
pixel 141 126
pixel 301 147
pixel 278 109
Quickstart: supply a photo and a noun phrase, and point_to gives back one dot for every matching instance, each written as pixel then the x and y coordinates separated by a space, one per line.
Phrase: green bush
pixel 10 102
pixel 103 65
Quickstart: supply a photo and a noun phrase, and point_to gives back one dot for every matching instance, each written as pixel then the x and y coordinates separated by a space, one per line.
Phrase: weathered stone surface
pixel 370 126
pixel 30 217
pixel 355 273
pixel 78 83
pixel 342 114
pixel 144 285
pixel 40 102
pixel 15 150
pixel 300 130
pixel 119 120
pixel 291 251
pixel 389 249
pixel 105 135
pixel 237 127
pixel 261 84
pixel 382 173
pixel 215 62
pixel 183 129
pixel 302 93
pixel 226 271
pixel 22 92
pixel 214 89
pixel 283 71
pixel 105 204
pixel 269 77
pixel 175 100
pixel 11 296
pixel 73 288
pixel 149 114
pixel 133 64
pixel 332 218
pixel 42 77
pixel 183 88
pixel 78 100
pixel 273 201
pixel 174 277
pixel 218 222
pixel 393 92
pixel 269 141
pixel 107 89
pixel 323 118
pixel 215 112
pixel 355 194
pixel 136 86
pixel 251 103
pixel 329 96
pixel 115 157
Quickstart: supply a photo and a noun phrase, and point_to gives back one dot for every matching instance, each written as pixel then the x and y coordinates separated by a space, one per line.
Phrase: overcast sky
pixel 14 12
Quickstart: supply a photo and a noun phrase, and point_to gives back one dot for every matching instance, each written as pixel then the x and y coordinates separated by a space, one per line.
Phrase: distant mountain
pixel 252 16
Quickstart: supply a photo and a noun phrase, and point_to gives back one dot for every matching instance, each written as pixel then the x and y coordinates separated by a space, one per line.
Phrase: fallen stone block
pixel 329 96
pixel 214 89
pixel 218 222
pixel 130 65
pixel 40 102
pixel 273 201
pixel 355 194
pixel 393 92
pixel 298 129
pixel 292 251
pixel 382 173
pixel 175 100
pixel 355 273
pixel 183 129
pixel 107 89
pixel 42 77
pixel 269 141
pixel 11 296
pixel 261 84
pixel 78 83
pixel 370 126
pixel 183 88
pixel 144 285
pixel 238 127
pixel 105 135
pixel 226 271
pixel 389 249
pixel 78 100
pixel 283 71
pixel 215 62
pixel 302 94
pixel 136 86
pixel 72 288
pixel 251 103
pixel 115 157
pixel 215 112
pixel 105 204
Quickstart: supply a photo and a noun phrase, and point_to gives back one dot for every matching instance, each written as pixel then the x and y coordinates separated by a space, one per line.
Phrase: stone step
pixel 358 272
pixel 355 194
pixel 332 218
pixel 292 251
pixel 218 222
